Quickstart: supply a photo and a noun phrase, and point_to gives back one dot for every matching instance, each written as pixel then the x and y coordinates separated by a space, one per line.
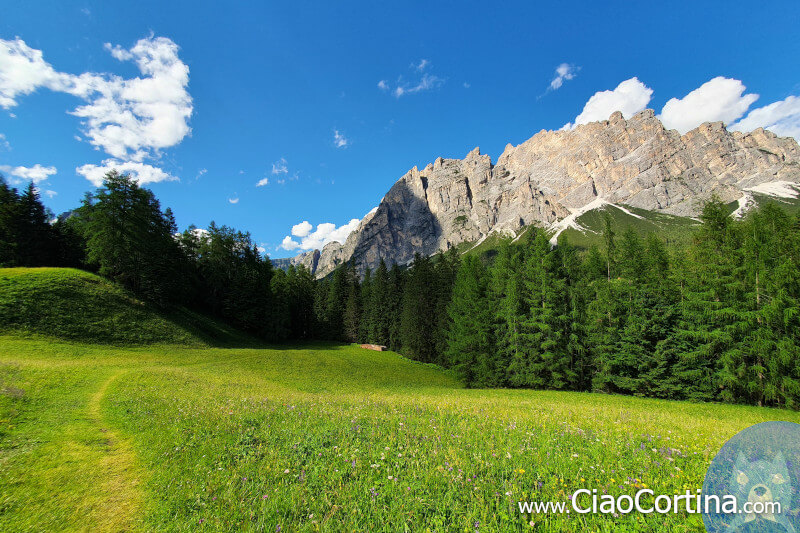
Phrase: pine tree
pixel 380 307
pixel 352 308
pixel 397 281
pixel 130 239
pixel 469 348
pixel 506 305
pixel 366 325
pixel 417 332
pixel 548 364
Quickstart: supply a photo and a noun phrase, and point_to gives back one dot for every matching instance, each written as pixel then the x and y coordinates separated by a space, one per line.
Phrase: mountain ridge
pixel 550 177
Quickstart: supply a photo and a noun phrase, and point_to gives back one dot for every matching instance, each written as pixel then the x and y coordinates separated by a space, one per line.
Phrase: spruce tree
pixel 469 348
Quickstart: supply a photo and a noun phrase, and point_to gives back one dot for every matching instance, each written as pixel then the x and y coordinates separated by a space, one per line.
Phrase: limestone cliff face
pixel 634 162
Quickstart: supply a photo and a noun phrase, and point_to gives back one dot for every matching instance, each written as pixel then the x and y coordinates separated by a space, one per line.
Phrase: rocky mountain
pixel 555 176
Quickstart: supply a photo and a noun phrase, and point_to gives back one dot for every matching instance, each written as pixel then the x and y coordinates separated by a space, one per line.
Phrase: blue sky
pixel 330 103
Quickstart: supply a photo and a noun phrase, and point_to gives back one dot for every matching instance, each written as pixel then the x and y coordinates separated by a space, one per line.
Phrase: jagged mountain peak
pixel 555 174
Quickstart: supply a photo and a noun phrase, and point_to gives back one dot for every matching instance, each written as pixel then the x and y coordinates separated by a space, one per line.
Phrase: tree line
pixel 716 320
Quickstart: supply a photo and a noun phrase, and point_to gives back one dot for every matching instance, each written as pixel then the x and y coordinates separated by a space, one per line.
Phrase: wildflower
pixel 286 471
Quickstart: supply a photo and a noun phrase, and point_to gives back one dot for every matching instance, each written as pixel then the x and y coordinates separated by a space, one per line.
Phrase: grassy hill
pixel 671 228
pixel 77 305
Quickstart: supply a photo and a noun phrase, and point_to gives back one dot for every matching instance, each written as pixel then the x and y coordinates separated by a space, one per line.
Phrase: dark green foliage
pixel 130 239
pixel 235 283
pixel 417 317
pixel 26 236
pixel 717 320
pixel 469 345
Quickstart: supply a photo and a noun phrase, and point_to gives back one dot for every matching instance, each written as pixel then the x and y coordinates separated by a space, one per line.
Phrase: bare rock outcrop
pixel 636 162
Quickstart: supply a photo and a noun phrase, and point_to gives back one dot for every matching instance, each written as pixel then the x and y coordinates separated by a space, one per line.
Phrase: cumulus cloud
pixel 564 72
pixel 37 173
pixel 262 182
pixel 717 99
pixel 339 140
pixel 131 120
pixel 141 172
pixel 629 97
pixel 50 194
pixel 22 71
pixel 289 244
pixel 383 86
pixel 324 233
pixel 280 167
pixel 781 117
pixel 302 229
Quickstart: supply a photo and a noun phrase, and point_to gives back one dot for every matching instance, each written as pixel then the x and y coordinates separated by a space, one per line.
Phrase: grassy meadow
pixel 191 435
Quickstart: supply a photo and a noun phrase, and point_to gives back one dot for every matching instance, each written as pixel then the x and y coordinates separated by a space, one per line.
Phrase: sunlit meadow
pixel 323 438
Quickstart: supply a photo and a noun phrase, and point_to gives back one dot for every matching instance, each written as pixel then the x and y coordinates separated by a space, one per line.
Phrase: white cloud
pixel 466 85
pixel 233 200
pixel 130 119
pixel 427 83
pixel 4 144
pixel 262 182
pixel 37 173
pixel 200 173
pixel 22 71
pixel 324 234
pixel 781 117
pixel 141 172
pixel 564 71
pixel 50 194
pixel 629 97
pixel 339 140
pixel 718 99
pixel 280 167
pixel 136 118
pixel 302 229
pixel 289 244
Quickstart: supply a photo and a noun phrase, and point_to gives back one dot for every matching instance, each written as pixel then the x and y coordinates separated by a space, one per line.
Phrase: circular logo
pixel 752 483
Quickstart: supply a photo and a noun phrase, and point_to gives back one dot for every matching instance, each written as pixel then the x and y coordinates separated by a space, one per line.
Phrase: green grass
pixel 177 435
pixel 84 307
pixel 670 228
pixel 321 437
